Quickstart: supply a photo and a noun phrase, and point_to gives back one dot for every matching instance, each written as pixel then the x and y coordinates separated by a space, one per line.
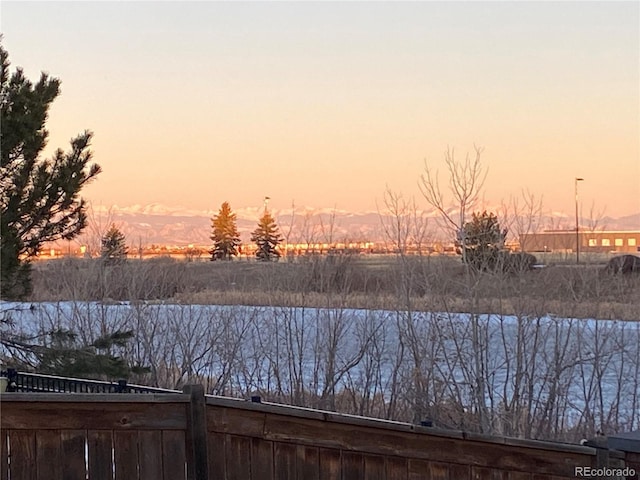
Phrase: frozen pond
pixel 561 372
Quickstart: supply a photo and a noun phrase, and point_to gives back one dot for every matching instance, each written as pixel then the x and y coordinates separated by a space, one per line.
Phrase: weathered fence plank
pixel 396 468
pixel 226 420
pixel 73 444
pixel 100 443
pixel 374 467
pixel 86 416
pixel 125 454
pixel 22 446
pixel 174 464
pixel 419 470
pixel 261 459
pixel 48 454
pixel 440 471
pixel 284 461
pixel 307 463
pixel 330 464
pixel 518 476
pixel 461 472
pixel 238 451
pixel 484 473
pixel 217 455
pixel 352 465
pixel 150 454
pixel 4 455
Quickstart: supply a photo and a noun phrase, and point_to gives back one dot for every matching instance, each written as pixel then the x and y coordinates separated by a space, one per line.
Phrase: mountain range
pixel 157 224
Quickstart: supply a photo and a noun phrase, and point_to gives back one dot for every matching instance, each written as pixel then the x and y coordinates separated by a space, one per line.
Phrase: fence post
pixel 196 435
pixel 602 457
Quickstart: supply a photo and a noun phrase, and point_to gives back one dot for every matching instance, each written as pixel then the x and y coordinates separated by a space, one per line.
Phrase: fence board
pixel 261 460
pixel 419 470
pixel 4 455
pixel 440 471
pixel 174 465
pixel 459 472
pixel 73 444
pixel 216 453
pixel 330 464
pixel 352 465
pixel 238 456
pixel 94 416
pixel 374 467
pixel 396 468
pixel 100 462
pixel 23 454
pixel 228 420
pixel 150 454
pixel 484 473
pixel 125 454
pixel 284 461
pixel 307 463
pixel 48 454
pixel 518 476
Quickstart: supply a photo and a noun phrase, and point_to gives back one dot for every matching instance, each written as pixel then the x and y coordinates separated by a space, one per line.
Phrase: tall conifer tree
pixel 39 199
pixel 114 247
pixel 266 237
pixel 225 234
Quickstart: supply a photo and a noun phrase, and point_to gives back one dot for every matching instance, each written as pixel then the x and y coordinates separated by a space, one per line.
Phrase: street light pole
pixel 577 224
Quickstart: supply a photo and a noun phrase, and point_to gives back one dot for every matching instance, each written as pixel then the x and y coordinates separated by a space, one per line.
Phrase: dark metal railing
pixel 34 382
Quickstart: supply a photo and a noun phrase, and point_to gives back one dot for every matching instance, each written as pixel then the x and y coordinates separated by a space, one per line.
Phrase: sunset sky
pixel 326 104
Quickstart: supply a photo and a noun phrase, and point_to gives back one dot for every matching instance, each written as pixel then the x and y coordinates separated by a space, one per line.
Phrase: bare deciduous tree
pixel 396 221
pixel 466 179
pixel 522 216
pixel 328 228
pixel 98 223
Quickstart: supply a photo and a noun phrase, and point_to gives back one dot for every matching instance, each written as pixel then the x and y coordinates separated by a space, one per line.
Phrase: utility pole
pixel 577 224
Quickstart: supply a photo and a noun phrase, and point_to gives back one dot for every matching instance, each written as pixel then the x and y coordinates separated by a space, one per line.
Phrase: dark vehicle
pixel 624 264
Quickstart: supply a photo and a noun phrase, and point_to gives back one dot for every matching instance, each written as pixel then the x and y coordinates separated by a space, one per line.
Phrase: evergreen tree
pixel 225 234
pixel 60 352
pixel 483 241
pixel 39 199
pixel 114 248
pixel 267 238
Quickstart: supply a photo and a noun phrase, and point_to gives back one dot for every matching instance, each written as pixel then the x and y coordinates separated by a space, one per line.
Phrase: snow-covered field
pixel 561 372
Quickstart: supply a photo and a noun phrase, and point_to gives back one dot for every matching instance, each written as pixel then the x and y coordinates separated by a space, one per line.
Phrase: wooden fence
pixel 190 436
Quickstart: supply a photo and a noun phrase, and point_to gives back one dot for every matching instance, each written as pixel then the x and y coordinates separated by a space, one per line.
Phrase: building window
pixel 606 242
pixel 618 242
pixel 631 242
pixel 593 242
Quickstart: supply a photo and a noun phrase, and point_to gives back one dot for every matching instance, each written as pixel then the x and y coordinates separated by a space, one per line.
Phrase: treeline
pixel 224 235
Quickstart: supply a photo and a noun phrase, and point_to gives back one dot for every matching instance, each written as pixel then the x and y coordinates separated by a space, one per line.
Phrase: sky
pixel 327 104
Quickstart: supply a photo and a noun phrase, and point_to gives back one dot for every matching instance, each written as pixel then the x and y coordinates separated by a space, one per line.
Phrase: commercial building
pixel 590 241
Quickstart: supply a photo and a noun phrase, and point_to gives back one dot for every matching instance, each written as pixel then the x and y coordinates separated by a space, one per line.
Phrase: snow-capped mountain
pixel 168 225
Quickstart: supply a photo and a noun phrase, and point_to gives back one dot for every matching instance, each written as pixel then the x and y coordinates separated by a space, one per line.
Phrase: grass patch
pixel 352 281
